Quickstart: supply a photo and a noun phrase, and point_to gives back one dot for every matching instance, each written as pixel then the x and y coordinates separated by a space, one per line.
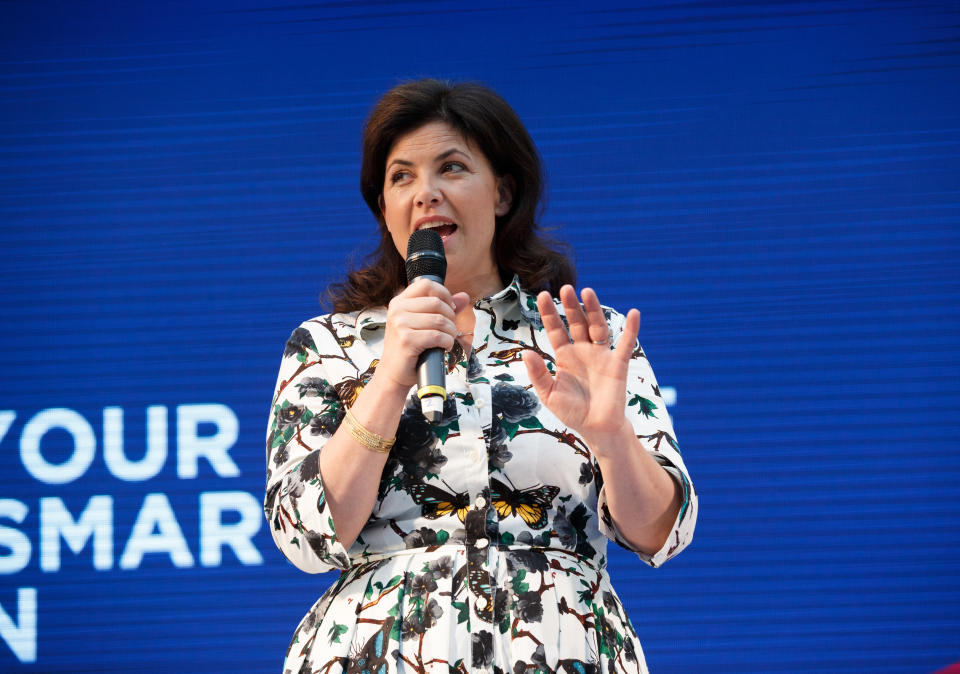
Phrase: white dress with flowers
pixel 486 547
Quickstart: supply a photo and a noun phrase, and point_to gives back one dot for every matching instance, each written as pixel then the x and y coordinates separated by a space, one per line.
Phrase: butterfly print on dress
pixel 531 504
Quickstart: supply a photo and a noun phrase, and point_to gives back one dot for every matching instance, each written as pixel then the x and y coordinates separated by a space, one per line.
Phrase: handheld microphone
pixel 425 259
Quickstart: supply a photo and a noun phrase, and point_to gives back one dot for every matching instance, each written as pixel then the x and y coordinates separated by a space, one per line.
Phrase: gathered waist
pixel 458 549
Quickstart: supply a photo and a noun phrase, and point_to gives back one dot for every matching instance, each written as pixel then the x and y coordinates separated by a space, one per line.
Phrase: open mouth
pixel 444 229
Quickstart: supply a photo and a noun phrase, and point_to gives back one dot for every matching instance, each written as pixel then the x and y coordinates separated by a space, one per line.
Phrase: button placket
pixel 469 453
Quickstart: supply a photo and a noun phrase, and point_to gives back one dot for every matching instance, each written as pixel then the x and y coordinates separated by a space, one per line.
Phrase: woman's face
pixel 436 178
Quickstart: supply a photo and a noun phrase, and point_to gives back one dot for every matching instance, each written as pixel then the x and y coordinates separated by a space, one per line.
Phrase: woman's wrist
pixel 379 404
pixel 611 440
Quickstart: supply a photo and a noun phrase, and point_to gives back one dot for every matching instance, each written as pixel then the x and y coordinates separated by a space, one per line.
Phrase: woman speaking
pixel 476 543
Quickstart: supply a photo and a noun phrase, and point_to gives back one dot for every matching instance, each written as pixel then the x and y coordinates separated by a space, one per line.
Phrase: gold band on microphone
pixel 431 390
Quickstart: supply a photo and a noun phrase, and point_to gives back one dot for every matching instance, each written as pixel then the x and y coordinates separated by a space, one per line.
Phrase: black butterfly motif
pixel 531 503
pixel 435 502
pixel 478 580
pixel 576 667
pixel 372 656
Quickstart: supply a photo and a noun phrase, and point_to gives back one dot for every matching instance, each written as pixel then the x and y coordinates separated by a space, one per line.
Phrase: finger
pixel 554 327
pixel 461 301
pixel 423 305
pixel 539 375
pixel 576 319
pixel 427 320
pixel 596 322
pixel 423 287
pixel 628 338
pixel 444 340
pixel 416 342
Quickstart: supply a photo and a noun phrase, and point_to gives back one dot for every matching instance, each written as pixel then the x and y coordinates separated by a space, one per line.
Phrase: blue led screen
pixel 774 185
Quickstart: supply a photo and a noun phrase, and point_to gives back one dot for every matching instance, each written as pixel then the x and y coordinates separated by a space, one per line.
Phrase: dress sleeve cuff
pixel 680 535
pixel 301 523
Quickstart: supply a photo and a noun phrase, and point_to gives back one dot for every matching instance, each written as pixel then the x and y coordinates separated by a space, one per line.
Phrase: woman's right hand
pixel 419 318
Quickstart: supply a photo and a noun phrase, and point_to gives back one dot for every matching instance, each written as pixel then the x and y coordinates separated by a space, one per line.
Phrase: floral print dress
pixel 486 548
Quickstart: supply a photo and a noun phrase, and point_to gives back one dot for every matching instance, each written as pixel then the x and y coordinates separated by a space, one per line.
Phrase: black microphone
pixel 425 259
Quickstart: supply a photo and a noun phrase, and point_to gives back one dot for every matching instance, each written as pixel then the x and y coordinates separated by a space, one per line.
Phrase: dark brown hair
pixel 488 121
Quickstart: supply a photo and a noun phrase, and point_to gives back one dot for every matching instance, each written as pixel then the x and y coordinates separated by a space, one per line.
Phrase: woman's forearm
pixel 644 500
pixel 351 472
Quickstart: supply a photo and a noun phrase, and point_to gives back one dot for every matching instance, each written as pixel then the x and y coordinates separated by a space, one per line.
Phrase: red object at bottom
pixel 949 669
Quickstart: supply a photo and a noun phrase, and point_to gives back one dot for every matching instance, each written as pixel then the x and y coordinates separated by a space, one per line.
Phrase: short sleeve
pixel 647 412
pixel 305 412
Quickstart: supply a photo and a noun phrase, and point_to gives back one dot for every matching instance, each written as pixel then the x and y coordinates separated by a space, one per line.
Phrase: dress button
pixel 482 603
pixel 480 402
pixel 481 502
pixel 482 543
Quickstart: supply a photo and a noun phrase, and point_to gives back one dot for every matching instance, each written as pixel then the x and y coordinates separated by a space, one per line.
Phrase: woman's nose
pixel 428 194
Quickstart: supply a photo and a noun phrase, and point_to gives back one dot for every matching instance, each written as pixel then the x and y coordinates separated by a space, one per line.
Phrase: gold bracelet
pixel 368 439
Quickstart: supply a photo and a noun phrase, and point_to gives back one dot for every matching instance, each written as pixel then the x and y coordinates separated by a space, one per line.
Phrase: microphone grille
pixel 425 255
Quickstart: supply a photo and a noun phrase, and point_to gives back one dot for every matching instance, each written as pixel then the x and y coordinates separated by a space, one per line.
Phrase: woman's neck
pixel 476 287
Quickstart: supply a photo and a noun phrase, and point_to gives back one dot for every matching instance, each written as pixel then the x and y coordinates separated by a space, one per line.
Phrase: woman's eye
pixel 453 166
pixel 398 176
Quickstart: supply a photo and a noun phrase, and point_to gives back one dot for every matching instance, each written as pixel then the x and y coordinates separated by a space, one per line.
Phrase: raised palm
pixel 588 391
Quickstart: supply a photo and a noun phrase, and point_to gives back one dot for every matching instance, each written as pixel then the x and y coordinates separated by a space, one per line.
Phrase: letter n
pixel 21 636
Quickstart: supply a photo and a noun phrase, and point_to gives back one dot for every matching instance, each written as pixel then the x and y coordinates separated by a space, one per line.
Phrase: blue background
pixel 774 185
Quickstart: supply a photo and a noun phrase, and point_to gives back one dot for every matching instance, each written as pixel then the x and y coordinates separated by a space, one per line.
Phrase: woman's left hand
pixel 588 392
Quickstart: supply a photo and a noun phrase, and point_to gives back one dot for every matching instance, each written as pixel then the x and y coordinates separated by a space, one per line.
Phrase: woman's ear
pixel 380 203
pixel 505 187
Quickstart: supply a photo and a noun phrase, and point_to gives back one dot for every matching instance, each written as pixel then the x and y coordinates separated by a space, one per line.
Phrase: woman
pixel 477 544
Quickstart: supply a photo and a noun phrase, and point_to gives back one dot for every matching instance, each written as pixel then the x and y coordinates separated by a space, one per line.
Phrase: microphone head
pixel 425 255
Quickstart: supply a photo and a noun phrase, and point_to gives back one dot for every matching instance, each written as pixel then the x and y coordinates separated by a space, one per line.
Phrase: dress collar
pixel 511 292
pixel 514 293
